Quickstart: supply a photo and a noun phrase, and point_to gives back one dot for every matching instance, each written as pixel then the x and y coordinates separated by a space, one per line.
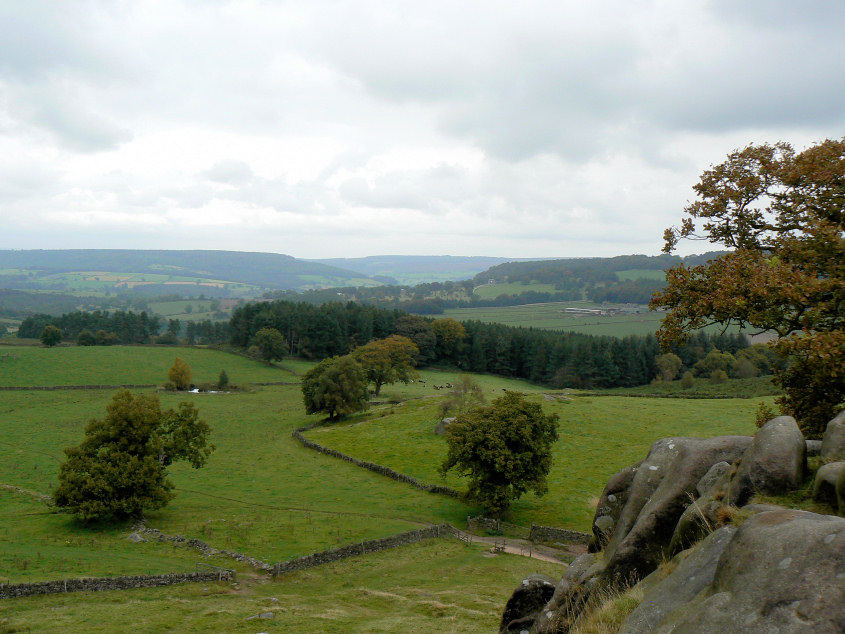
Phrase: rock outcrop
pixel 727 565
pixel 782 571
pixel 833 442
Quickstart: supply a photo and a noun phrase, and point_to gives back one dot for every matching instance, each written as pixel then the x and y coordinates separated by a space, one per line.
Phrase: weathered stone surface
pixel 774 464
pixel 661 490
pixel 526 602
pixel 696 522
pixel 833 443
pixel 710 479
pixel 840 492
pixel 610 505
pixel 666 593
pixel 570 591
pixel 814 448
pixel 824 485
pixel 783 571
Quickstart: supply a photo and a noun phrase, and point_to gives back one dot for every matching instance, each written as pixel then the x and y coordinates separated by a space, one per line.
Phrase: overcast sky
pixel 343 129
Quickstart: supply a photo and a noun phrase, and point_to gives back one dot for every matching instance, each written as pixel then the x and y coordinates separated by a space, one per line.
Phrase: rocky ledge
pixel 680 526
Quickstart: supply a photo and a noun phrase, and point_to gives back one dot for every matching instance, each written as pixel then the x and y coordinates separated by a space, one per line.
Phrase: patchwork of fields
pixel 265 495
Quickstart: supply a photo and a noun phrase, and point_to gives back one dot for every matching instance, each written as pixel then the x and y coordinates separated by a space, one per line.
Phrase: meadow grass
pixel 261 492
pixel 438 585
pixel 598 437
pixel 550 316
pixel 265 495
pixel 492 291
pixel 180 307
pixel 641 274
pixel 118 365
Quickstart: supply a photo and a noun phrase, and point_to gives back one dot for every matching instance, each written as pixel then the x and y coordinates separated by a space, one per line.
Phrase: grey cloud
pixel 230 172
pixel 75 126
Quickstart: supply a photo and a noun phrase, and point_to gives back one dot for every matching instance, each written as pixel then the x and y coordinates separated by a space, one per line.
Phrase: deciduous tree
pixel 450 335
pixel 119 470
pixel 271 343
pixel 387 361
pixel 783 215
pixel 51 335
pixel 668 366
pixel 180 374
pixel 336 386
pixel 505 449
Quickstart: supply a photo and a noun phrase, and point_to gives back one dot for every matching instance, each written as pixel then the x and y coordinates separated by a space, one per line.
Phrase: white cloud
pixel 346 129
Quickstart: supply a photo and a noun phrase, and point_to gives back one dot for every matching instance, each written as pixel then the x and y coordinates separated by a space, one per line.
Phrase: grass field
pixel 118 365
pixel 179 308
pixel 492 291
pixel 550 316
pixel 598 437
pixel 641 274
pixel 434 586
pixel 265 495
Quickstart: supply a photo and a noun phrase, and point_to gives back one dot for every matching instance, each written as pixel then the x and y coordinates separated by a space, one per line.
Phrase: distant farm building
pixel 591 311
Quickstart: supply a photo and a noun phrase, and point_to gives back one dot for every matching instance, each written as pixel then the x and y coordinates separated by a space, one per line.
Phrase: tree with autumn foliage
pixel 387 360
pixel 782 214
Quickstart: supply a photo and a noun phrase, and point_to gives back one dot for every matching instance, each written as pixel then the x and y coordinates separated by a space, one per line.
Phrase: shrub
pixel 180 374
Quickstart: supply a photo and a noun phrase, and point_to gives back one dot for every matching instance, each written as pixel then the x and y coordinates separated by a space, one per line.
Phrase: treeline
pixel 626 292
pixel 579 272
pixel 125 327
pixel 542 356
pixel 118 327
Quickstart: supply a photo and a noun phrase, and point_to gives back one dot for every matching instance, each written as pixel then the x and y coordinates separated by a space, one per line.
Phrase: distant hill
pixel 416 269
pixel 264 270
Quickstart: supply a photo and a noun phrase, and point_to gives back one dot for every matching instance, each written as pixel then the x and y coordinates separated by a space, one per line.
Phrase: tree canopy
pixel 119 470
pixel 51 335
pixel 505 449
pixel 180 374
pixel 783 215
pixel 336 386
pixel 271 343
pixel 387 360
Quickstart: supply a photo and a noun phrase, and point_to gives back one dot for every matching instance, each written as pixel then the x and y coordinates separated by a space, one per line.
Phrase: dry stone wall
pixel 361 548
pixel 11 591
pixel 551 534
pixel 376 468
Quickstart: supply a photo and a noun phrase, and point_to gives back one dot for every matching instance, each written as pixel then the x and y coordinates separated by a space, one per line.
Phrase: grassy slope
pixel 598 436
pixel 117 365
pixel 433 586
pixel 491 291
pixel 550 316
pixel 265 495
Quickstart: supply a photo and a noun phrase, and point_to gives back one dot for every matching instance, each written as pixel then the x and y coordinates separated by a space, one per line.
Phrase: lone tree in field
pixel 783 215
pixel 505 449
pixel 119 470
pixel 180 374
pixel 387 361
pixel 51 335
pixel 271 344
pixel 336 386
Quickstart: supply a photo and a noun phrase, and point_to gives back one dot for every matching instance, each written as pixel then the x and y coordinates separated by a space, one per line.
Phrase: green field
pixel 641 274
pixel 433 586
pixel 179 308
pixel 265 495
pixel 492 291
pixel 550 316
pixel 598 437
pixel 121 365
